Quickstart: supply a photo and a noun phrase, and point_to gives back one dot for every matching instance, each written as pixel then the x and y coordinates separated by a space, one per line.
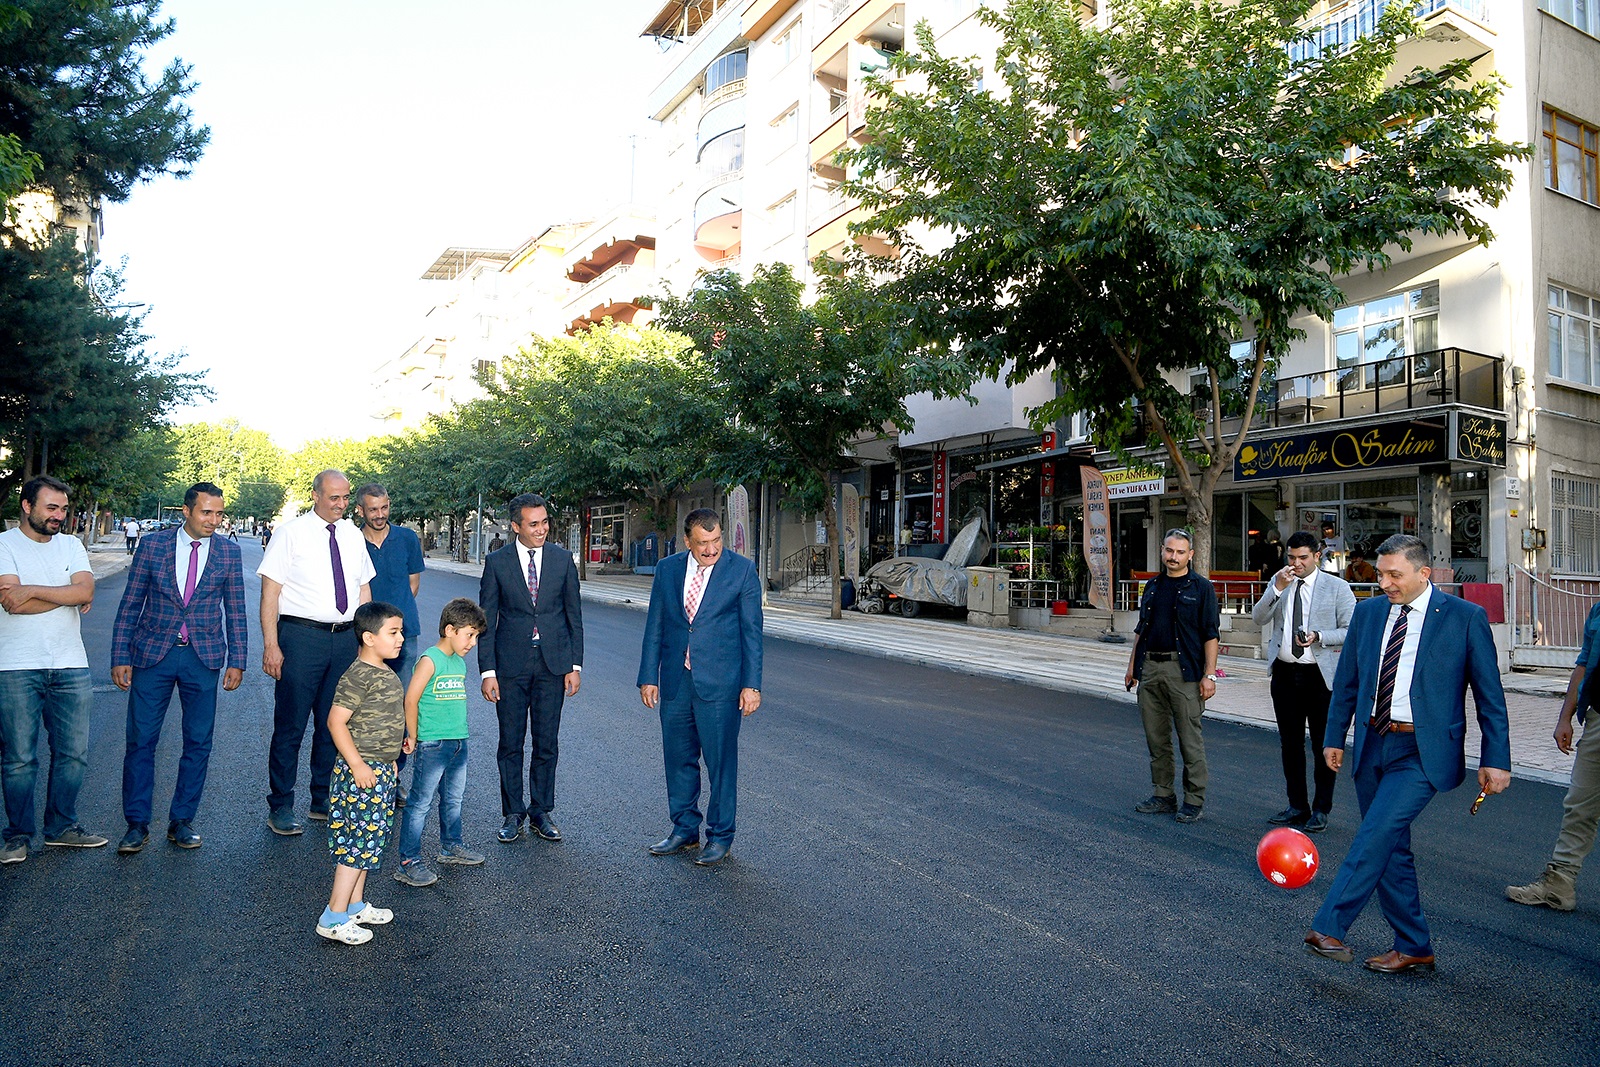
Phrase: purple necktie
pixel 188 585
pixel 341 595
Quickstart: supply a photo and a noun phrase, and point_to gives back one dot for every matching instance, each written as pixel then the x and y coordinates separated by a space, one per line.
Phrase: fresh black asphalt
pixel 930 869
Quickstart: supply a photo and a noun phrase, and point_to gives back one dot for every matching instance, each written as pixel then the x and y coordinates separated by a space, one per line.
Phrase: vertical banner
pixel 739 522
pixel 941 471
pixel 850 531
pixel 1047 479
pixel 1097 537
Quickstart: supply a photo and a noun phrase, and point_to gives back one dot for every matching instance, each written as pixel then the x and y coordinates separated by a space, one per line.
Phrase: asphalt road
pixel 930 869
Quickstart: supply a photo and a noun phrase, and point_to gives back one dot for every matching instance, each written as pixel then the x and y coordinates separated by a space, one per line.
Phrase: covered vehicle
pixel 904 583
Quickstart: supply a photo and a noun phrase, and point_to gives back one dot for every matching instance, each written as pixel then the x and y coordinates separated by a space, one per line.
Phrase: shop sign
pixel 941 470
pixel 1477 439
pixel 1097 536
pixel 1343 450
pixel 1047 468
pixel 1130 482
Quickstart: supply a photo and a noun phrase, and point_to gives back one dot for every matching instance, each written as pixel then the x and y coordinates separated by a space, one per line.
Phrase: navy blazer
pixel 152 608
pixel 724 640
pixel 503 593
pixel 1456 650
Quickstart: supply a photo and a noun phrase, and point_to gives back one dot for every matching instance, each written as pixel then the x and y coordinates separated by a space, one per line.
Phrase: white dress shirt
pixel 298 559
pixel 1400 703
pixel 1286 646
pixel 182 554
pixel 688 580
pixel 523 552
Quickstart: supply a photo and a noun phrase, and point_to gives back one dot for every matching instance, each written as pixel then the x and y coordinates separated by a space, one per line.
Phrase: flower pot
pixel 1058 607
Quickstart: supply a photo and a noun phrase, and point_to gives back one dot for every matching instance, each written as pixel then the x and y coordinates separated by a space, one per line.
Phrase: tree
pixel 1128 201
pixel 243 462
pixel 802 382
pixel 74 92
pixel 357 458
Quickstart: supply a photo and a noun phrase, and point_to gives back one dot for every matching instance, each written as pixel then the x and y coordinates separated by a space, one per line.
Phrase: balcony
pixel 718 218
pixel 1434 379
pixel 1452 29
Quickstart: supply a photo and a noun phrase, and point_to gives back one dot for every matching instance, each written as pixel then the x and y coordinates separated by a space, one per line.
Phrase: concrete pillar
pixel 1433 524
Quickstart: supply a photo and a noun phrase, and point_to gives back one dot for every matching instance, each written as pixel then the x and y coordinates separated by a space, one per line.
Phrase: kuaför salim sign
pixel 1347 449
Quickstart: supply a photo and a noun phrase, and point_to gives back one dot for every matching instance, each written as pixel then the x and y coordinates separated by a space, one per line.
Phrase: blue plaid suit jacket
pixel 152 607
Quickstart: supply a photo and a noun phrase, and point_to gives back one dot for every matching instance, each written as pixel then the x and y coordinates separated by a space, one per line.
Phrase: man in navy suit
pixel 701 666
pixel 1408 660
pixel 531 660
pixel 182 616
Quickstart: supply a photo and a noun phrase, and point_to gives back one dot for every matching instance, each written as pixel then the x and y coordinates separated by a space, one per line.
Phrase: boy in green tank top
pixel 436 715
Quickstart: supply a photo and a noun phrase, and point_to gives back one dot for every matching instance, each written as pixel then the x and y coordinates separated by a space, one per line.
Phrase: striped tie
pixel 1387 672
pixel 533 590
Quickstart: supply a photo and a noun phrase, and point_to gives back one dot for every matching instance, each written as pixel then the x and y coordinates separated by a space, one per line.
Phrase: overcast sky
pixel 351 142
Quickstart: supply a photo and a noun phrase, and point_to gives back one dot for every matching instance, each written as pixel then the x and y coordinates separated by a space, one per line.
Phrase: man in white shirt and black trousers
pixel 1304 612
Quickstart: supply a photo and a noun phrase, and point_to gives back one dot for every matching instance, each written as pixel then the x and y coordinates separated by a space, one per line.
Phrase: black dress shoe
pixel 511 830
pixel 1316 822
pixel 180 833
pixel 541 825
pixel 676 842
pixel 714 853
pixel 133 840
pixel 1288 817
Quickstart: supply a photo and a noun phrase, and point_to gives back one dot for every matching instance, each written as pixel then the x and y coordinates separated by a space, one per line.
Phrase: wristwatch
pixel 1211 677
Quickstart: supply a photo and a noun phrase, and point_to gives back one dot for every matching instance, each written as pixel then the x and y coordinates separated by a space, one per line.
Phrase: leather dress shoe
pixel 540 824
pixel 714 853
pixel 511 830
pixel 180 833
pixel 1331 947
pixel 1289 817
pixel 133 840
pixel 1396 962
pixel 283 823
pixel 676 842
pixel 1316 822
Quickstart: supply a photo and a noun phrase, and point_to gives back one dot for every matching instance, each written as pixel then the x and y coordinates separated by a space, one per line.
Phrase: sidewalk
pixel 1077 665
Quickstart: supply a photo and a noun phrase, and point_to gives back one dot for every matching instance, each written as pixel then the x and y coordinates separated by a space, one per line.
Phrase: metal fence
pixel 1547 616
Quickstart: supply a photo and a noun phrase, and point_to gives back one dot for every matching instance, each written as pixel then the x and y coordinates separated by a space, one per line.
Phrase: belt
pixel 1161 657
pixel 313 624
pixel 1395 727
pixel 183 642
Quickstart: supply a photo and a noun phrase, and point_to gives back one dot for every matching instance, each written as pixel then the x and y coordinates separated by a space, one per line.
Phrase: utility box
pixel 988 597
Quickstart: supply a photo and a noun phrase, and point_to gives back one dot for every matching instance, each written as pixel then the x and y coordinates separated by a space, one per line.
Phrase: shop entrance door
pixel 1132 543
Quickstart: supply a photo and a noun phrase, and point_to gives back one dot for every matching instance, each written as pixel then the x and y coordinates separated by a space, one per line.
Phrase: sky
pixel 351 142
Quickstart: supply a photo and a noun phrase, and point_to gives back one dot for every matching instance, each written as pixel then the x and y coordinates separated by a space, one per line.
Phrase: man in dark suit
pixel 701 665
pixel 181 618
pixel 1408 660
pixel 531 659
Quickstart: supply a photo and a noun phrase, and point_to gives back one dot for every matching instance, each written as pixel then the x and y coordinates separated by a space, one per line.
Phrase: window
pixel 1579 13
pixel 787 44
pixel 1569 156
pixel 1573 322
pixel 1575 524
pixel 484 373
pixel 782 216
pixel 787 126
pixel 1382 333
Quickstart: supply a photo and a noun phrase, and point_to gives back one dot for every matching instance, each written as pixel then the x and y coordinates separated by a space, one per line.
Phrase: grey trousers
pixel 1580 812
pixel 1167 702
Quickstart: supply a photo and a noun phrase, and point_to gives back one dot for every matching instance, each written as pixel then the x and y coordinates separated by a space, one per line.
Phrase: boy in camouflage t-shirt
pixel 368 727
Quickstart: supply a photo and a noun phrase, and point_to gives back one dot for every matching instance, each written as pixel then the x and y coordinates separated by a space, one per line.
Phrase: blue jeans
pixel 61 700
pixel 437 767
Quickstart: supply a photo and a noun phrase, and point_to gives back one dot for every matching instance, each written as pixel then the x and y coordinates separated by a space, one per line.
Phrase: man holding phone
pixel 1304 612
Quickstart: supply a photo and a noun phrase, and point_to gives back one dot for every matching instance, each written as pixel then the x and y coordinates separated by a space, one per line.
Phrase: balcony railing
pixel 1341 26
pixel 601 278
pixel 1400 383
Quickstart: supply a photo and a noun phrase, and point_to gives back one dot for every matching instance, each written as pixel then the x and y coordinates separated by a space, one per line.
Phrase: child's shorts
pixel 359 819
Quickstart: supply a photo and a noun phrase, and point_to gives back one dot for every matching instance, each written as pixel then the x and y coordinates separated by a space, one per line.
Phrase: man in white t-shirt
pixel 130 533
pixel 314 575
pixel 45 584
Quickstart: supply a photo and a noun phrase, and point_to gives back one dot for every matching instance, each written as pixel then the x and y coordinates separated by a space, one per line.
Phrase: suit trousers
pixel 1300 698
pixel 1392 790
pixel 1580 811
pixel 313 661
pixel 148 699
pixel 1168 703
pixel 529 708
pixel 692 728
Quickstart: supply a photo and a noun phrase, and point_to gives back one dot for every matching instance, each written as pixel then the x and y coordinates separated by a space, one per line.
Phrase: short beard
pixel 41 526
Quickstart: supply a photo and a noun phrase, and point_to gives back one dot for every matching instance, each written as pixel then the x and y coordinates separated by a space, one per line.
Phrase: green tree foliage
pixel 242 462
pixel 1117 205
pixel 73 91
pixel 802 381
pixel 357 458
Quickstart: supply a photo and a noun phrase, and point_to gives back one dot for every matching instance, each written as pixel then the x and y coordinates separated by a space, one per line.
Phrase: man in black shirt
pixel 1174 663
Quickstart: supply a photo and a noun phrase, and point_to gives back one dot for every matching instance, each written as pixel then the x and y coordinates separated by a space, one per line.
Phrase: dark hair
pixel 522 502
pixel 1178 531
pixel 197 489
pixel 371 616
pixel 704 518
pixel 371 489
pixel 462 613
pixel 1414 549
pixel 30 488
pixel 1301 539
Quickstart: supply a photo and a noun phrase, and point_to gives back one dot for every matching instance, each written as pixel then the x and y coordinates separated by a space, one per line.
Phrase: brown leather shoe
pixel 1396 962
pixel 1331 947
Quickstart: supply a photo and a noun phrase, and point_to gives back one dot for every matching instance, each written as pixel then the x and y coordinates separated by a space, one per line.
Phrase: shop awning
pixel 1074 457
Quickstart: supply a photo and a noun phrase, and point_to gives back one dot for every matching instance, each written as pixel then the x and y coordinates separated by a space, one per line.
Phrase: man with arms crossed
pixel 1408 659
pixel 701 666
pixel 45 584
pixel 181 617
